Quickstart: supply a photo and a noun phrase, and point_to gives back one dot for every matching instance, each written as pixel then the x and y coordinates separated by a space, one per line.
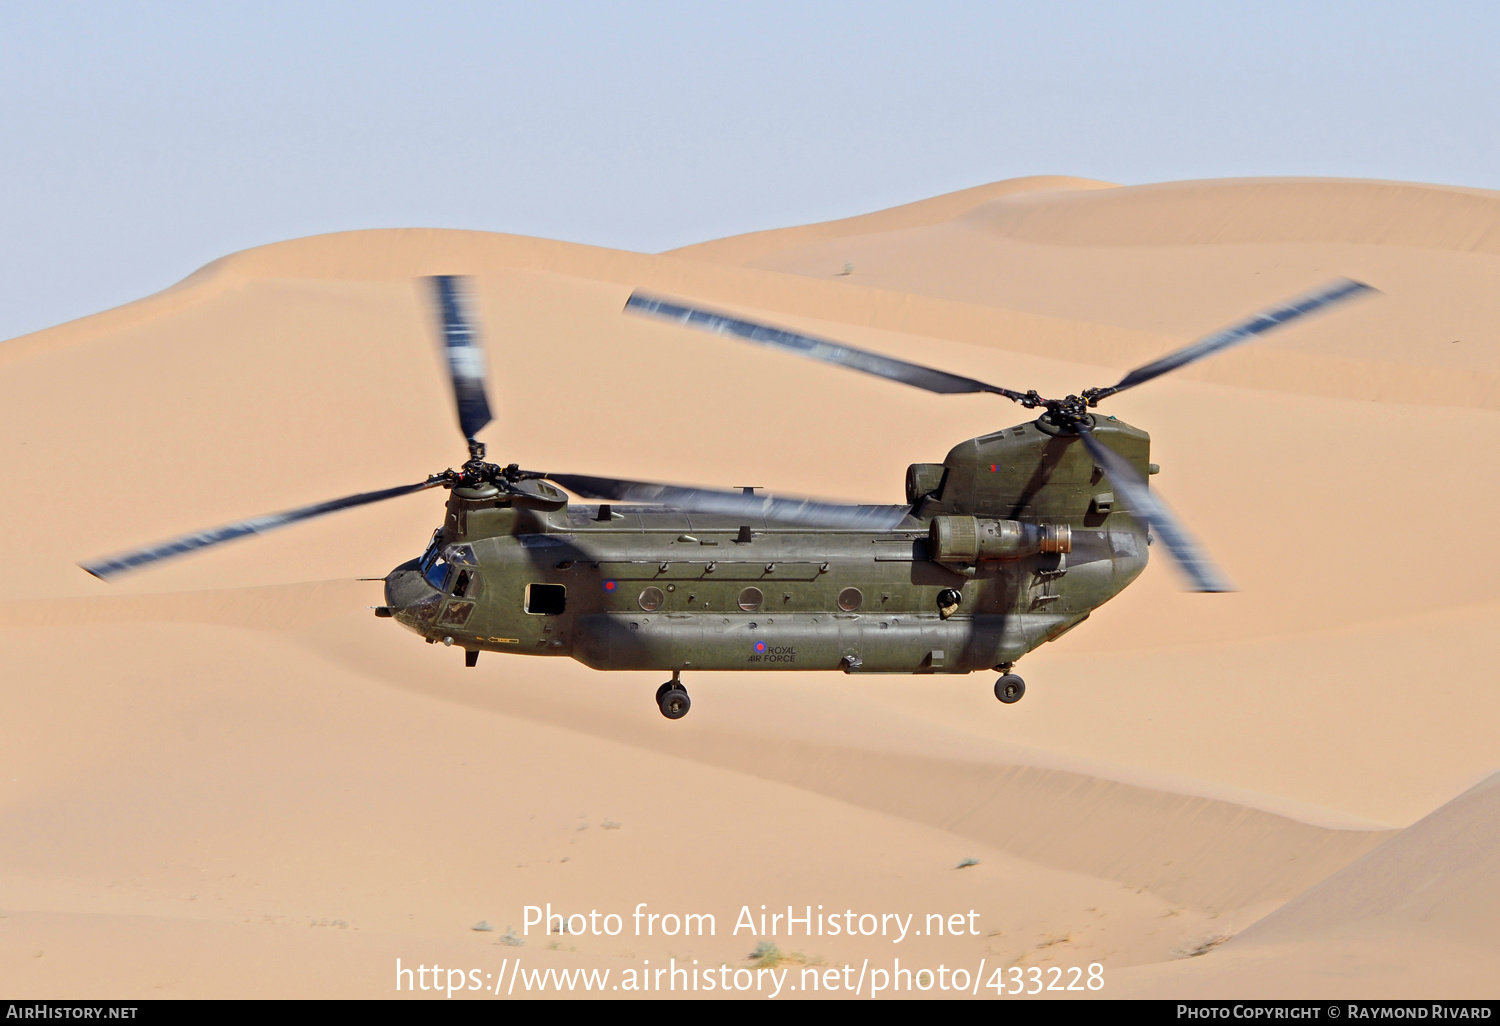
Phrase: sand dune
pixel 1436 876
pixel 224 776
pixel 1180 257
pixel 1417 914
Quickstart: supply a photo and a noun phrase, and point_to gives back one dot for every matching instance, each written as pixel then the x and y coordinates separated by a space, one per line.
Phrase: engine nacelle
pixel 956 539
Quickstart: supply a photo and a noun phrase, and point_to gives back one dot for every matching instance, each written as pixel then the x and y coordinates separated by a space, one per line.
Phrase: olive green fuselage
pixel 641 588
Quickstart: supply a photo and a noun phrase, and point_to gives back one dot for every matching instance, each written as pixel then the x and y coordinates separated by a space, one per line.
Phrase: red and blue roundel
pixel 610 586
pixel 760 646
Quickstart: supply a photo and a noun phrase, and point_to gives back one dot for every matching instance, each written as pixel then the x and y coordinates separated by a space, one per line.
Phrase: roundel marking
pixel 610 586
pixel 760 646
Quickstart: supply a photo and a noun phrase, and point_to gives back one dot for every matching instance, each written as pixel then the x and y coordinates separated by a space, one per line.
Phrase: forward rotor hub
pixel 477 471
pixel 1070 414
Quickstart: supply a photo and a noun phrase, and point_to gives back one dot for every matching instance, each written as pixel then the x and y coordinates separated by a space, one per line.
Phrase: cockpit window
pixel 434 562
pixel 425 563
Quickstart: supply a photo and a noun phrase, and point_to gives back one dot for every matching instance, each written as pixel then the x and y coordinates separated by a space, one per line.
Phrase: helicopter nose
pixel 409 599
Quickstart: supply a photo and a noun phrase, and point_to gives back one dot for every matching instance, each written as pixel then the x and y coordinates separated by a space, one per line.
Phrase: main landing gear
pixel 672 698
pixel 1010 687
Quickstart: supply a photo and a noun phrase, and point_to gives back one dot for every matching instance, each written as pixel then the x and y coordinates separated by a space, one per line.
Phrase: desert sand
pixel 224 777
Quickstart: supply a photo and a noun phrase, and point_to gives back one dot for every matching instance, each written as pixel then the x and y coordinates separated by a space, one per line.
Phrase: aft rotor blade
pixel 707 500
pixel 1143 504
pixel 1338 291
pixel 816 348
pixel 104 569
pixel 466 363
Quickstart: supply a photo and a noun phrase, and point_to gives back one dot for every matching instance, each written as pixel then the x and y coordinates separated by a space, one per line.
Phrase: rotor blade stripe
pixel 1257 324
pixel 1144 505
pixel 816 348
pixel 705 500
pixel 466 363
pixel 104 569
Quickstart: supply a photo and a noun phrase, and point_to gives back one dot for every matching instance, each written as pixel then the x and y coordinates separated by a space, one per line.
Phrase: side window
pixel 466 583
pixel 546 599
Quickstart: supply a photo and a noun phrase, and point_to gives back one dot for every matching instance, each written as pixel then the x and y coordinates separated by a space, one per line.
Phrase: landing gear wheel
pixel 673 701
pixel 675 682
pixel 1010 688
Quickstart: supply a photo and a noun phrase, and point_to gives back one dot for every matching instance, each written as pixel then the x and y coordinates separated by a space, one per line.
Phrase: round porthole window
pixel 651 599
pixel 850 599
pixel 751 599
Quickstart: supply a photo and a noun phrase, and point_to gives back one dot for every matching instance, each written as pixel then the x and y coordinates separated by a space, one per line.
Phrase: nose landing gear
pixel 672 698
pixel 1010 687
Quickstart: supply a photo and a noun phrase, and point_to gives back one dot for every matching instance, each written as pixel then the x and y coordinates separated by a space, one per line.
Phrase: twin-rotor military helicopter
pixel 1007 544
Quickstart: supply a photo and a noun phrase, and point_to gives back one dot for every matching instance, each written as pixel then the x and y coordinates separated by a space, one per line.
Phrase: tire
pixel 674 703
pixel 668 686
pixel 1010 689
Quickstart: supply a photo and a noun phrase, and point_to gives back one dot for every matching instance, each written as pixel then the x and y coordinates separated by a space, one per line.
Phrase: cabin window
pixel 751 599
pixel 651 599
pixel 546 599
pixel 850 599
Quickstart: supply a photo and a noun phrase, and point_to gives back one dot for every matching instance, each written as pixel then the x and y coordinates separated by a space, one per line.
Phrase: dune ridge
pixel 1437 875
pixel 1229 211
pixel 979 302
pixel 745 249
pixel 1415 914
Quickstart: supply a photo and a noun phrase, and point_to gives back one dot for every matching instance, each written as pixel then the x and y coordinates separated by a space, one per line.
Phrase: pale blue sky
pixel 140 141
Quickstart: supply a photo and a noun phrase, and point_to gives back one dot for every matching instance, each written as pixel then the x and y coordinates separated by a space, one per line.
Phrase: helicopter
pixel 1007 544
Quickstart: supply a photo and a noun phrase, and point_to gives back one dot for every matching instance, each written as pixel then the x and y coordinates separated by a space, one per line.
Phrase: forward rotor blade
pixel 1338 291
pixel 705 500
pixel 104 569
pixel 818 349
pixel 1143 504
pixel 466 363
